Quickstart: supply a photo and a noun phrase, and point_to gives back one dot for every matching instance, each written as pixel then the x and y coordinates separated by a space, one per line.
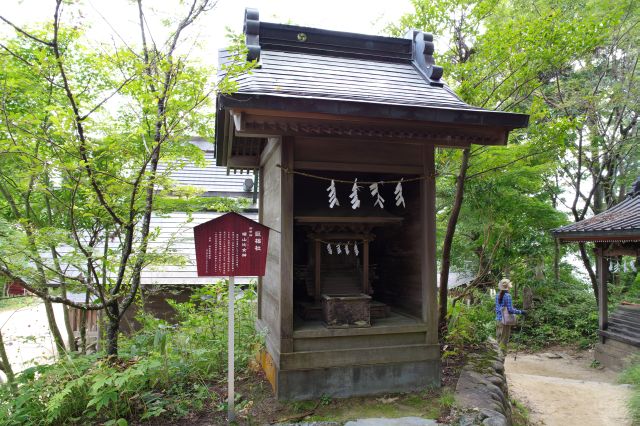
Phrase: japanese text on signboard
pixel 231 245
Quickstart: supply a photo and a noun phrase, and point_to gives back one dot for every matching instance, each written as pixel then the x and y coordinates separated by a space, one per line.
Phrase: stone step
pixel 620 337
pixel 633 328
pixel 633 312
pixel 625 320
pixel 621 346
pixel 624 330
pixel 624 315
pixel 621 353
pixel 610 359
pixel 630 321
pixel 615 354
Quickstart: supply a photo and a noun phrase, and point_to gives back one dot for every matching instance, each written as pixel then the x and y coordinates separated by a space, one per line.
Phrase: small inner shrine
pixel 345 259
pixel 342 131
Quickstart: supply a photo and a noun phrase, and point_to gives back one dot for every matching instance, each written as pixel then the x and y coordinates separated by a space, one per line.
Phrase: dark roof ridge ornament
pixel 423 60
pixel 252 33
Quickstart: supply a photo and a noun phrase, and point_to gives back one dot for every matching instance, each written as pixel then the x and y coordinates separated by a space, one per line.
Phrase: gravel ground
pixel 26 335
pixel 561 388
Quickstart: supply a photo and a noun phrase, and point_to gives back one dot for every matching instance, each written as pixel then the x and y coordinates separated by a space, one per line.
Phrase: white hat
pixel 505 284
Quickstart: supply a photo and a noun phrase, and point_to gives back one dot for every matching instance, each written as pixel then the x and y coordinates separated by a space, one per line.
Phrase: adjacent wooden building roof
pixel 619 223
pixel 212 180
pixel 304 76
pixel 176 228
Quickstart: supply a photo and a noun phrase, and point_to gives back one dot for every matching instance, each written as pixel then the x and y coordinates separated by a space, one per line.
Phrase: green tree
pixel 82 133
pixel 501 55
pixel 599 97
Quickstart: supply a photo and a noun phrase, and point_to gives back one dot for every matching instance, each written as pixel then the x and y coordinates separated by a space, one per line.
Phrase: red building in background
pixel 15 289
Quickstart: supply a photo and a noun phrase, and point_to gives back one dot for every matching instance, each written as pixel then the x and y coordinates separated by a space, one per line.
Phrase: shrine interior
pixel 384 277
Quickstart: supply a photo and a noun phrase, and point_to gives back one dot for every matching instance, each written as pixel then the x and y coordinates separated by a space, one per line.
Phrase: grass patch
pixel 519 414
pixel 13 303
pixel 163 371
pixel 429 403
pixel 632 376
pixel 447 399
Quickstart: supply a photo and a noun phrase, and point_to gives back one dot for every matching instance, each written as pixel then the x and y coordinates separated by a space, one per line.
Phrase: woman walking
pixel 504 301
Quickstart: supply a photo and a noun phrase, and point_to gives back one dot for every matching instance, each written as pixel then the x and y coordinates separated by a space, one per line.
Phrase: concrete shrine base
pixel 357 380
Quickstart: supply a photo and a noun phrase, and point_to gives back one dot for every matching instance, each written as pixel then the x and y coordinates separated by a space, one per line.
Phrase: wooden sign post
pixel 229 246
pixel 231 353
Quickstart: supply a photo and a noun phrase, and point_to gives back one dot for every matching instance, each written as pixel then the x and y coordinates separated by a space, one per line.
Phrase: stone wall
pixel 482 395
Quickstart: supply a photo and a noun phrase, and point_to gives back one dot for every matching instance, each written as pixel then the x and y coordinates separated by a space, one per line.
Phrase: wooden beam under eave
pixel 611 252
pixel 244 161
pixel 454 141
pixel 387 130
pixel 357 167
pixel 238 120
pixel 439 143
pixel 308 116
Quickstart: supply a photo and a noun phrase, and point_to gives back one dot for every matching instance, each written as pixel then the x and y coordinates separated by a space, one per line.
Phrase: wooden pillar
pixel 286 250
pixel 318 263
pixel 261 220
pixel 603 299
pixel 365 267
pixel 428 252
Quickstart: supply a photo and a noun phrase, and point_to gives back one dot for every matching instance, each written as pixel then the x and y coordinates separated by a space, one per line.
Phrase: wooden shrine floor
pixel 395 323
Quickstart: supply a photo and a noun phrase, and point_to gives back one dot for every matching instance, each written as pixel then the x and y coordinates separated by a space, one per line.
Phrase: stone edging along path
pixel 482 395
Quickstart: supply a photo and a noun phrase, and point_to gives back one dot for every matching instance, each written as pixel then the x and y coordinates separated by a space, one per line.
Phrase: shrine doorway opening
pixel 355 268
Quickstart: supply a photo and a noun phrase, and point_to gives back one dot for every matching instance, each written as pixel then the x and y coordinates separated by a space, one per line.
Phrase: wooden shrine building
pixel 615 232
pixel 348 302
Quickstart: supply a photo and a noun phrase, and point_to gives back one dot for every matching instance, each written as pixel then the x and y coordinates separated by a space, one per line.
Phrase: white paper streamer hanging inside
pixel 398 193
pixel 355 201
pixel 375 192
pixel 333 198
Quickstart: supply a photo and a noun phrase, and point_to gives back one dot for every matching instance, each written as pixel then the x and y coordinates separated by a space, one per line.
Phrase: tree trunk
pixel 448 241
pixel 83 325
pixel 53 326
pixel 83 333
pixel 113 328
pixel 5 366
pixel 67 322
pixel 592 274
pixel 556 261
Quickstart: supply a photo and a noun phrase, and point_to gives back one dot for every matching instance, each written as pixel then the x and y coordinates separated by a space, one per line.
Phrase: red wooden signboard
pixel 230 246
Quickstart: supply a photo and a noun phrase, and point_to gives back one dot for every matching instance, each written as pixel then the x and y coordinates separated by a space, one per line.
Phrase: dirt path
pixel 561 388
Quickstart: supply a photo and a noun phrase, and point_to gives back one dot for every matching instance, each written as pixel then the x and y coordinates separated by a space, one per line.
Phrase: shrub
pixel 632 376
pixel 469 324
pixel 162 369
pixel 564 313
